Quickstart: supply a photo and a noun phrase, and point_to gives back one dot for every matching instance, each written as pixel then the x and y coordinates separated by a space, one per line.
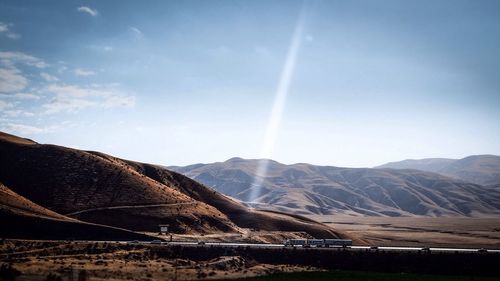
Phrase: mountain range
pixel 309 189
pixel 479 169
pixel 49 191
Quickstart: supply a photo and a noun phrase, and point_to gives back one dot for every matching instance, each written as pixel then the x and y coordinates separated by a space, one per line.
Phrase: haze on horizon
pixel 178 83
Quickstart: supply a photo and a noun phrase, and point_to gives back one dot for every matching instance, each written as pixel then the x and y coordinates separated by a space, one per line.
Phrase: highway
pixel 372 248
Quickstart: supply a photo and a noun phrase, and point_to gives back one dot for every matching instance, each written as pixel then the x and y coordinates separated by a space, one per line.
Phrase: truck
pixel 318 243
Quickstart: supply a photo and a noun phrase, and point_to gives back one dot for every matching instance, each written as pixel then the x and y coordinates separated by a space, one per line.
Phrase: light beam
pixel 277 109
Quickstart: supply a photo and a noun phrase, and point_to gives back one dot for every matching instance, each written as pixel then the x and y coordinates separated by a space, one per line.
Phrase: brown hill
pixel 99 188
pixel 22 218
pixel 308 189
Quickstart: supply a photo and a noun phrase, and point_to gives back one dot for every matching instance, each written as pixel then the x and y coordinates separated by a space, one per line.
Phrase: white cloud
pixel 11 58
pixel 12 80
pixel 62 69
pixel 70 98
pixel 25 96
pixel 101 48
pixel 47 77
pixel 119 101
pixel 3 27
pixel 137 32
pixel 88 10
pixel 83 72
pixel 18 113
pixel 21 129
pixel 4 105
pixel 13 35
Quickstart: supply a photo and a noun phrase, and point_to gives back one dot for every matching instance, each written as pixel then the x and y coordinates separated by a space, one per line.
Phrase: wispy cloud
pixel 22 129
pixel 71 98
pixel 136 32
pixel 26 96
pixel 101 48
pixel 88 10
pixel 49 78
pixel 4 28
pixel 12 80
pixel 18 113
pixel 4 105
pixel 13 35
pixel 11 58
pixel 83 72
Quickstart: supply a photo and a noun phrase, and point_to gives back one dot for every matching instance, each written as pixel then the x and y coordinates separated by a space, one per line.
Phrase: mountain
pixel 86 187
pixel 479 169
pixel 308 189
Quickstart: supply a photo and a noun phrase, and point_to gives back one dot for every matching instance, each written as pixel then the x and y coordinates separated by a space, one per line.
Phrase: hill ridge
pixel 308 189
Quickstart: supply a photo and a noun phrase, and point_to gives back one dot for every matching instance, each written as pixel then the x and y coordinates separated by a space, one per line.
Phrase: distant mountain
pixel 479 169
pixel 49 187
pixel 309 189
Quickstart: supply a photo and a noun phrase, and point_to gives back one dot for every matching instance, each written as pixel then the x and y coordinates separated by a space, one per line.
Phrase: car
pixel 373 248
pixel 133 242
pixel 156 242
pixel 426 249
pixel 482 250
pixel 201 243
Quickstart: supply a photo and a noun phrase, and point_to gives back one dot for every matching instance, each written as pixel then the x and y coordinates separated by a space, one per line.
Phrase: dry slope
pixel 309 189
pixel 99 188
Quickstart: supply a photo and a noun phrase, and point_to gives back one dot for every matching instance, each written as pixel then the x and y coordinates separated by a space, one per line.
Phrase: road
pixel 253 245
pixel 129 207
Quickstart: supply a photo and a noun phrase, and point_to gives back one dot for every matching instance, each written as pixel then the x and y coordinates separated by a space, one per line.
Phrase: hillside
pixel 479 169
pixel 308 189
pixel 22 218
pixel 98 188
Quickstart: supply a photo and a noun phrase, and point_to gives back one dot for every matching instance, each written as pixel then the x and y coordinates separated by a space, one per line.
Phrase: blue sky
pixel 177 83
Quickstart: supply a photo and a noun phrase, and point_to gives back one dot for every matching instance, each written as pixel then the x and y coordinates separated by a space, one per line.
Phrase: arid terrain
pixel 64 211
pixel 326 190
pixel 420 231
pixel 36 260
pixel 78 192
pixel 80 260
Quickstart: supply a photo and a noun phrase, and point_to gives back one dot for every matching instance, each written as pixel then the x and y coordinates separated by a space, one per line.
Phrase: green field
pixel 363 276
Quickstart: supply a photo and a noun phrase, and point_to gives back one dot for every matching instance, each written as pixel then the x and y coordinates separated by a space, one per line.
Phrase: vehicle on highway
pixel 133 242
pixel 318 243
pixel 482 250
pixel 373 248
pixel 156 242
pixel 201 243
pixel 295 242
pixel 426 249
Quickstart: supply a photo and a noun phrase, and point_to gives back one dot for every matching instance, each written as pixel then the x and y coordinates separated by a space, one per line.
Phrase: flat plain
pixel 460 232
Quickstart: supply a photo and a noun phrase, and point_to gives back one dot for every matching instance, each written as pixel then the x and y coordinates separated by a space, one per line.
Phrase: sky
pixel 343 83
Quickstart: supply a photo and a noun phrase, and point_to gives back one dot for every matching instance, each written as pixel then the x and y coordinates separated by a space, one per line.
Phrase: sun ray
pixel 277 109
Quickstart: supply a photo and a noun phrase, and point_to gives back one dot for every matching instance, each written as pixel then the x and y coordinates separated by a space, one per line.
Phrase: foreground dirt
pixel 36 260
pixel 420 231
